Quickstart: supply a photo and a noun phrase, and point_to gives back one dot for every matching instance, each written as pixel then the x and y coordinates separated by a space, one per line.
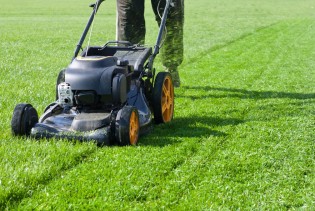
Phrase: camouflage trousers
pixel 131 27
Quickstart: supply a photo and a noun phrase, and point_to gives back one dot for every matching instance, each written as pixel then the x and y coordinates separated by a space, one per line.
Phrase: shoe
pixel 175 78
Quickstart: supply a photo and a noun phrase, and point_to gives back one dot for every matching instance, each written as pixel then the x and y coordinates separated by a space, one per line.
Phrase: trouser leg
pixel 173 49
pixel 130 21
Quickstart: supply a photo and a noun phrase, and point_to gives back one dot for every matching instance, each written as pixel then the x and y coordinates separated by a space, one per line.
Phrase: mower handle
pixel 156 50
pixel 95 6
pixel 113 42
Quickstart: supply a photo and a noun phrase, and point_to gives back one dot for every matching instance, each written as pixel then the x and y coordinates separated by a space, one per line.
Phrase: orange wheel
pixel 163 98
pixel 127 126
pixel 134 128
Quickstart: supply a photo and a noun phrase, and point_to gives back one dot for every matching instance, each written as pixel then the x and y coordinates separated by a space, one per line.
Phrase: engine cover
pixel 94 73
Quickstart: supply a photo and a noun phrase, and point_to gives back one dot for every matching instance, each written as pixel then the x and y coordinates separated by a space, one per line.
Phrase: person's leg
pixel 130 21
pixel 173 49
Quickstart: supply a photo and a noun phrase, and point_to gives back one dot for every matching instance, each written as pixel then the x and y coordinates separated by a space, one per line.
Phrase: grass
pixel 243 132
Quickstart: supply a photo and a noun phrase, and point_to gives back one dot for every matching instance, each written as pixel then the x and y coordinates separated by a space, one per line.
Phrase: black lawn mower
pixel 108 94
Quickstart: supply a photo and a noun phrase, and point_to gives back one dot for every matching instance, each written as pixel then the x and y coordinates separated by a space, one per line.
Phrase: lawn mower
pixel 108 94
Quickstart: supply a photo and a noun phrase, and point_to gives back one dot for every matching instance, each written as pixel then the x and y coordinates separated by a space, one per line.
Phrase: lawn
pixel 243 131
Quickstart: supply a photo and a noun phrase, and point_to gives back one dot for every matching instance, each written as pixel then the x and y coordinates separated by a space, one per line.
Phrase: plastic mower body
pixel 108 94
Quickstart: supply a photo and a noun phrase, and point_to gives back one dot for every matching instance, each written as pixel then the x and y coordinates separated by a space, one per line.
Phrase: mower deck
pixel 92 126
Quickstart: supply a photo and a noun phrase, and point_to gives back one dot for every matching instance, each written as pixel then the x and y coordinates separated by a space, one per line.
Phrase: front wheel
pixel 24 118
pixel 127 126
pixel 163 98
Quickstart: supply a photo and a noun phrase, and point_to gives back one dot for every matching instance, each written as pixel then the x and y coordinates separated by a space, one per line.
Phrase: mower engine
pixel 94 81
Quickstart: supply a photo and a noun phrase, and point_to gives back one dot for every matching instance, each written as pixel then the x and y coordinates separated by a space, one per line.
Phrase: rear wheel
pixel 127 126
pixel 163 98
pixel 23 119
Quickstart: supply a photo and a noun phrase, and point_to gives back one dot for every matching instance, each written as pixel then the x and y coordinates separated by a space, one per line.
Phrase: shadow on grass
pixel 187 127
pixel 245 94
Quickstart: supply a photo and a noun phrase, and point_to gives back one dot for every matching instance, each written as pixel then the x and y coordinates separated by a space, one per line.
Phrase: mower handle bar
pixel 117 42
pixel 157 46
pixel 156 50
pixel 95 6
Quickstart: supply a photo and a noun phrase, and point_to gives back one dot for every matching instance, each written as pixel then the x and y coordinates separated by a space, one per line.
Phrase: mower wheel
pixel 163 98
pixel 127 126
pixel 23 119
pixel 60 79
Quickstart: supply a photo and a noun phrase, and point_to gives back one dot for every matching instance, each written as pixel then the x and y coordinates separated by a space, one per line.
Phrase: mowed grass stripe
pixel 241 61
pixel 262 156
pixel 113 180
pixel 259 78
pixel 27 165
pixel 254 165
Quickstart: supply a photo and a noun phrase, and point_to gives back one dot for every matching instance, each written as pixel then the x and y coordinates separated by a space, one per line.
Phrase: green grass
pixel 243 132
